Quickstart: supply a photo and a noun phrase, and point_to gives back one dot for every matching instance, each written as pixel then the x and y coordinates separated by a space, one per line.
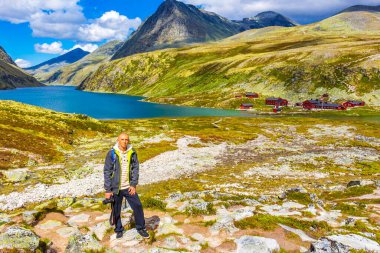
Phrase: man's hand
pixel 108 195
pixel 131 190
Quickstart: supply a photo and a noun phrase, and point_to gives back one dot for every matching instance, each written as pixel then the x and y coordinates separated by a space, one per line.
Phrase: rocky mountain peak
pixel 5 57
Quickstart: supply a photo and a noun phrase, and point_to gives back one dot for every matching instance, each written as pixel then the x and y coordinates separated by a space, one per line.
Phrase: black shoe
pixel 143 233
pixel 119 235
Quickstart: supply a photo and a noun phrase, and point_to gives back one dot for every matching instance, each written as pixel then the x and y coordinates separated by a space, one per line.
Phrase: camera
pixel 108 201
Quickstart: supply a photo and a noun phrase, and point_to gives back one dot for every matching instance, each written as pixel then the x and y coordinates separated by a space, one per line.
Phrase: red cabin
pixel 318 104
pixel 246 106
pixel 276 101
pixel 352 103
pixel 251 95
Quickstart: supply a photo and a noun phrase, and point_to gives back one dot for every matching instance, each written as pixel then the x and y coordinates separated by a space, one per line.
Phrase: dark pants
pixel 136 206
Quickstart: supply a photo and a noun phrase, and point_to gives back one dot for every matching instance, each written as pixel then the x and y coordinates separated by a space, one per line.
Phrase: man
pixel 121 174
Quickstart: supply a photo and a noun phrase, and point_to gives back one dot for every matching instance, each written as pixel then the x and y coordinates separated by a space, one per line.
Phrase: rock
pixel 67 231
pixel 199 237
pixel 277 210
pixel 344 244
pixel 64 203
pixel 48 205
pixel 242 213
pixel 79 243
pixel 49 224
pixel 132 237
pixel 175 197
pixel 80 218
pixel 29 217
pixel 224 222
pixel 360 183
pixel 249 244
pixel 292 205
pixel 167 227
pixel 4 219
pixel 102 217
pixel 264 198
pixel 171 243
pixel 100 229
pixel 304 237
pixel 17 238
pixel 152 223
pixel 349 222
pixel 14 176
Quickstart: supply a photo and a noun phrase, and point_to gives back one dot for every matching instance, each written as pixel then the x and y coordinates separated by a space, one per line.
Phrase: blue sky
pixel 33 31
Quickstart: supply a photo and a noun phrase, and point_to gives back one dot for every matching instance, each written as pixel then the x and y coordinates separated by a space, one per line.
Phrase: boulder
pixel 344 244
pixel 65 202
pixel 29 217
pixel 360 183
pixel 19 239
pixel 79 243
pixel 152 223
pixel 100 229
pixel 14 176
pixel 78 219
pixel 249 244
pixel 49 224
pixel 167 227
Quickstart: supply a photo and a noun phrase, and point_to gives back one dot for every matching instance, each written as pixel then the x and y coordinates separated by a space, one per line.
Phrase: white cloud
pixel 111 25
pixel 64 19
pixel 53 48
pixel 237 9
pixel 23 63
pixel 56 48
pixel 86 47
pixel 21 11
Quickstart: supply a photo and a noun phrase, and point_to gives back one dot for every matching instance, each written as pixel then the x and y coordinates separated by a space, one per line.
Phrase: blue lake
pixel 104 105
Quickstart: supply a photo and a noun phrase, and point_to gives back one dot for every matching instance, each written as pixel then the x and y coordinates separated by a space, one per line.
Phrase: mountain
pixel 174 24
pixel 5 57
pixel 76 72
pixel 338 56
pixel 367 8
pixel 67 58
pixel 11 76
pixel 264 19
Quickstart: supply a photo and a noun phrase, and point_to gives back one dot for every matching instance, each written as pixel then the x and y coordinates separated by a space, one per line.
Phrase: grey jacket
pixel 112 172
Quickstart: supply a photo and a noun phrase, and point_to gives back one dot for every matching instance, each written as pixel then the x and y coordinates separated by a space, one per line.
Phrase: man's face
pixel 123 140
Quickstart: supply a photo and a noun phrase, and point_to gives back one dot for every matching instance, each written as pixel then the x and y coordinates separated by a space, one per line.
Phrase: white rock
pixel 304 237
pixel 250 244
pixel 344 244
pixel 80 218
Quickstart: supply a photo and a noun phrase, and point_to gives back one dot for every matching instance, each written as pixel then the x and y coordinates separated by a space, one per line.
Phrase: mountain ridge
pixel 11 76
pixel 67 58
pixel 176 24
pixel 75 73
pixel 295 62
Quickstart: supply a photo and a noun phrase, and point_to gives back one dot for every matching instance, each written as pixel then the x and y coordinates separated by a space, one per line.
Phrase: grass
pixel 269 223
pixel 32 135
pixel 302 198
pixel 154 203
pixel 350 192
pixel 351 209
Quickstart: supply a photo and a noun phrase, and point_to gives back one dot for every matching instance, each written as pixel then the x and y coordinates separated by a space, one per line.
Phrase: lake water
pixel 104 105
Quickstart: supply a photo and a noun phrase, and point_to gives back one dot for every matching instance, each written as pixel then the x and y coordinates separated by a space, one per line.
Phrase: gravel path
pixel 172 164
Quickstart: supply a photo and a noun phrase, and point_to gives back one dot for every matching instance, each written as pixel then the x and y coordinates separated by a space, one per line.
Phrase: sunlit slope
pixel 75 73
pixel 340 55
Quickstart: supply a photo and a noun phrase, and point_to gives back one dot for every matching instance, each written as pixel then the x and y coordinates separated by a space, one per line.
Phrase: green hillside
pixel 339 55
pixel 31 135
